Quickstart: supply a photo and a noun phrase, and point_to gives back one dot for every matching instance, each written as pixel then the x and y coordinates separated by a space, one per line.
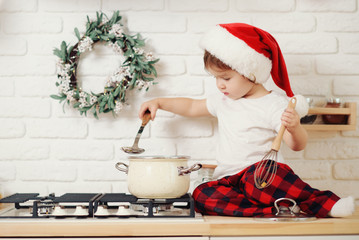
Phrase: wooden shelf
pixel 349 109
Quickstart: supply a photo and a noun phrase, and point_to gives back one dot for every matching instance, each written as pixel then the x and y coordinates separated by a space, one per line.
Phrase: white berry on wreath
pixel 136 71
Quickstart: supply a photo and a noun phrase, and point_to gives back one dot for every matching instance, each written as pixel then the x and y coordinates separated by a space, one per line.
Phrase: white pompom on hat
pixel 252 52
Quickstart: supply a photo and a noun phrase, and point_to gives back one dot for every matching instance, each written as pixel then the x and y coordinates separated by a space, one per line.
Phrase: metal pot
pixel 158 176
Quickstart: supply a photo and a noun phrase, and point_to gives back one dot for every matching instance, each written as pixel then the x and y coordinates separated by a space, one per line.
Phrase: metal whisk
pixel 266 169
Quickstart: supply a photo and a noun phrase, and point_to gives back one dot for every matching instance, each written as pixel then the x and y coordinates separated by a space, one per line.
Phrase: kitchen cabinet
pixel 336 237
pixel 349 109
pixel 121 238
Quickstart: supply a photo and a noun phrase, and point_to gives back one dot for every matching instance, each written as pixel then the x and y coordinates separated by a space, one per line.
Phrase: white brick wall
pixel 43 149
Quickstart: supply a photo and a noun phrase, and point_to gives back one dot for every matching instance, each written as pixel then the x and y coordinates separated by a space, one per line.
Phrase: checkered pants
pixel 237 195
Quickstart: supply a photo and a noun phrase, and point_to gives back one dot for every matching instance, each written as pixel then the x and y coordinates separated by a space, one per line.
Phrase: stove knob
pixel 59 211
pixel 81 211
pixel 102 211
pixel 124 211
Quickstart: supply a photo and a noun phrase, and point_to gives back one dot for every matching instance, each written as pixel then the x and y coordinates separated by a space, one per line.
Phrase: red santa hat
pixel 252 52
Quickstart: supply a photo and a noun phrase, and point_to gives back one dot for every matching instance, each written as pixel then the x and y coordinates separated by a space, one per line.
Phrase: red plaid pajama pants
pixel 237 195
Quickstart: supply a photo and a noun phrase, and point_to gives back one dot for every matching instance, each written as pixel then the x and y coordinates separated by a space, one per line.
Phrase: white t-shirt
pixel 246 129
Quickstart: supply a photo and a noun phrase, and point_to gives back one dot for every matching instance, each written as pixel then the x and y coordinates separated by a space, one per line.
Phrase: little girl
pixel 241 58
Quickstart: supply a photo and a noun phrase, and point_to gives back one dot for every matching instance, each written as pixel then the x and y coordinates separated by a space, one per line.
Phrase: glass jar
pixel 308 119
pixel 205 174
pixel 0 194
pixel 334 118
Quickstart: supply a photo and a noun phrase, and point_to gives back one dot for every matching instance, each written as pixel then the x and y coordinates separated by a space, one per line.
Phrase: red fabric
pixel 237 195
pixel 264 43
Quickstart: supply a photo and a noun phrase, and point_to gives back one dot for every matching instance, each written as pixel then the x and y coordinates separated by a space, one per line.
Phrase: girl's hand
pixel 151 106
pixel 290 119
pixel 295 136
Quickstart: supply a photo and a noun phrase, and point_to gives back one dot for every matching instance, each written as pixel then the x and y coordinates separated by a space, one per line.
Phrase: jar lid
pixel 309 101
pixel 334 100
pixel 209 166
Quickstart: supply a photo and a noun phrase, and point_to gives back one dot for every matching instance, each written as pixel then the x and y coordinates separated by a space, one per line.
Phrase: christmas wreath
pixel 136 71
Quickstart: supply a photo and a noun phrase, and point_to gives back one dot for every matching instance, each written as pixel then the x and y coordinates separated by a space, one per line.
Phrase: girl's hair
pixel 212 61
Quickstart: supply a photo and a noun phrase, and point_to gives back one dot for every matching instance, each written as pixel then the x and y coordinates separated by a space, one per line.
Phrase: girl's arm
pixel 295 136
pixel 187 107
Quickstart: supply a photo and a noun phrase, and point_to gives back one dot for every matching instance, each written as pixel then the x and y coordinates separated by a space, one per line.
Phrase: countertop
pixel 198 226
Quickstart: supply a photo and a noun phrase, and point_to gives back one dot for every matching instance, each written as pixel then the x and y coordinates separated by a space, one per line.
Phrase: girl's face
pixel 231 83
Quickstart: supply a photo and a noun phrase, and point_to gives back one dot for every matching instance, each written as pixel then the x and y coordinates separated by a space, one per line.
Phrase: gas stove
pixel 95 205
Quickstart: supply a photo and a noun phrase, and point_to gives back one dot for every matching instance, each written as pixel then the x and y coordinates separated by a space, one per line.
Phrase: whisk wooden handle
pixel 278 140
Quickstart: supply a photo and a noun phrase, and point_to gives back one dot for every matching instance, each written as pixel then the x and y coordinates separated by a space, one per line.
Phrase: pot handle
pixel 123 167
pixel 186 170
pixel 294 209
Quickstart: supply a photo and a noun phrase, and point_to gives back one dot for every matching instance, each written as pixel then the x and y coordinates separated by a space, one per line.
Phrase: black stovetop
pixel 35 206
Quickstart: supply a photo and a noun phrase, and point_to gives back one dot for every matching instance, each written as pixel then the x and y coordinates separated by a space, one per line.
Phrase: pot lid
pixel 286 214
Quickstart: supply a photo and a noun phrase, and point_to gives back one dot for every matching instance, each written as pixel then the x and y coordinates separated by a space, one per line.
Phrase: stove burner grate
pixel 76 197
pixel 150 206
pixel 117 197
pixel 19 198
pixel 44 206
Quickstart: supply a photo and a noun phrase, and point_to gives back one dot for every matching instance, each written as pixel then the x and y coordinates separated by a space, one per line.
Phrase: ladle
pixel 135 149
